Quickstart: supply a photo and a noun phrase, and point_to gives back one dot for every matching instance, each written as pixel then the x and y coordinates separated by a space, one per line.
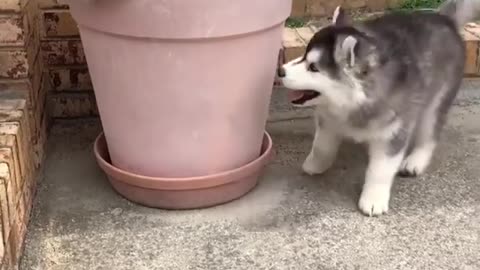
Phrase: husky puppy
pixel 389 83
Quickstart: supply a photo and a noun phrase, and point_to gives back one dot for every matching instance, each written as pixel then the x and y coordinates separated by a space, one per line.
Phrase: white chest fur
pixel 338 121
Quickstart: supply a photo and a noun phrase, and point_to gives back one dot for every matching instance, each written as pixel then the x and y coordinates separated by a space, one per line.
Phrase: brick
pixel 13 242
pixel 11 30
pixel 14 113
pixel 16 210
pixel 28 195
pixel 21 215
pixel 4 209
pixel 473 28
pixel 13 168
pixel 355 4
pixel 25 87
pixel 331 5
pixel 293 45
pixel 298 8
pixel 18 118
pixel 3 212
pixel 293 53
pixel 70 79
pixel 17 89
pixel 472 49
pixel 36 79
pixel 2 241
pixel 58 23
pixel 35 120
pixel 30 19
pixel 305 33
pixel 316 26
pixel 33 55
pixel 394 3
pixel 12 137
pixel 7 157
pixel 8 260
pixel 51 4
pixel 63 52
pixel 39 149
pixel 11 5
pixel 12 104
pixel 35 75
pixel 11 161
pixel 17 234
pixel 72 105
pixel 376 5
pixel 7 201
pixel 32 40
pixel 291 38
pixel 315 8
pixel 36 115
pixel 14 64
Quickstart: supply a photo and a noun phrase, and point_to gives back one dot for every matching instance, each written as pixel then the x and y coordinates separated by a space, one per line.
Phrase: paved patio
pixel 290 221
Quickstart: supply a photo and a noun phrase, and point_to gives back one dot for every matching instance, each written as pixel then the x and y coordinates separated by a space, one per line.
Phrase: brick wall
pixel 322 8
pixel 66 68
pixel 23 122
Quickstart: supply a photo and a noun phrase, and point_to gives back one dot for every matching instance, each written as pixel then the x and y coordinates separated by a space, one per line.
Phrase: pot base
pixel 183 193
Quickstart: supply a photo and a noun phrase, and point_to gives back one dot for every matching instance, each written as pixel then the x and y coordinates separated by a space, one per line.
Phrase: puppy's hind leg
pixel 324 149
pixel 427 133
pixel 422 146
pixel 430 126
pixel 419 158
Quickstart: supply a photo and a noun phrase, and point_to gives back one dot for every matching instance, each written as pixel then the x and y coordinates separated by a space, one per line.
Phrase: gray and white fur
pixel 389 83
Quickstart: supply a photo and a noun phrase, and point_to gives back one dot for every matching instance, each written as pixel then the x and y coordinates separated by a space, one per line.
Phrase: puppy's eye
pixel 363 71
pixel 312 68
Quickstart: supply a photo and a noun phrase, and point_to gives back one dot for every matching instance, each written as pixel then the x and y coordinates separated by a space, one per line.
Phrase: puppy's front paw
pixel 374 200
pixel 314 165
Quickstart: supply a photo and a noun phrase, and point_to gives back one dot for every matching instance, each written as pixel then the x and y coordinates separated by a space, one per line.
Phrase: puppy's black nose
pixel 280 72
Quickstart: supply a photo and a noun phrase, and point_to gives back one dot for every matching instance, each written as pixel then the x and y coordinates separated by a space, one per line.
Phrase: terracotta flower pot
pixel 182 87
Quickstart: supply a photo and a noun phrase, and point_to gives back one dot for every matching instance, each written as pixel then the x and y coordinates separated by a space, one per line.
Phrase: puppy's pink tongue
pixel 295 95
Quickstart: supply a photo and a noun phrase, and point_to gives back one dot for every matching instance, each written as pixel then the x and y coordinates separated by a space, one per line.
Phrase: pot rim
pixel 201 19
pixel 182 183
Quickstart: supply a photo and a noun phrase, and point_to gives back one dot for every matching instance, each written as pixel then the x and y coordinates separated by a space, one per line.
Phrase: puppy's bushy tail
pixel 461 11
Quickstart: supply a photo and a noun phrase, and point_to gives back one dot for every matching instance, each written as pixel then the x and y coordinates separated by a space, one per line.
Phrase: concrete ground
pixel 290 221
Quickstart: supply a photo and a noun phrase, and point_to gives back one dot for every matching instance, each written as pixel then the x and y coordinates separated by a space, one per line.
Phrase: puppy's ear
pixel 448 8
pixel 356 53
pixel 340 17
pixel 346 50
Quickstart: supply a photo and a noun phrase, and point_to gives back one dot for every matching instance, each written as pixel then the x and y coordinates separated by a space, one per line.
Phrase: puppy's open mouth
pixel 301 96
